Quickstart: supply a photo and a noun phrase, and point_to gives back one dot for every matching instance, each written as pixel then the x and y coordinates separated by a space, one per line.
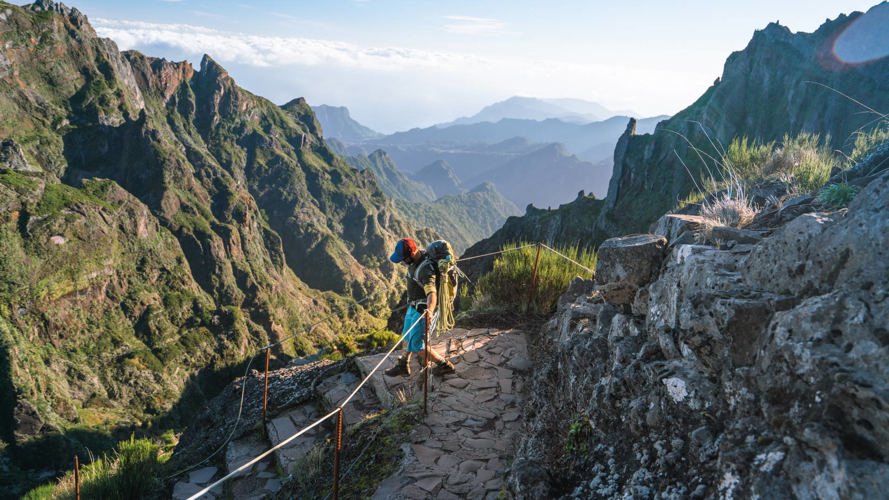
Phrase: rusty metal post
pixel 426 367
pixel 77 477
pixel 336 454
pixel 265 392
pixel 533 279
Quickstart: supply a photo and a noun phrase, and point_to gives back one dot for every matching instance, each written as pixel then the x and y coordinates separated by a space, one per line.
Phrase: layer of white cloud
pixel 267 51
pixel 467 25
pixel 391 88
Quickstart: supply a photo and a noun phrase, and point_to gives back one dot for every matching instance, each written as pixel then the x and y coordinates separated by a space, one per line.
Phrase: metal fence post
pixel 533 279
pixel 77 477
pixel 336 454
pixel 265 393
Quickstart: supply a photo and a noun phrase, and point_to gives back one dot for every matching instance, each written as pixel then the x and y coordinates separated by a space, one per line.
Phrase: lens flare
pixel 866 38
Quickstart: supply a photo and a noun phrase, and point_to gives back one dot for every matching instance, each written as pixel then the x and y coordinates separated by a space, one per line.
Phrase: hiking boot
pixel 443 368
pixel 402 367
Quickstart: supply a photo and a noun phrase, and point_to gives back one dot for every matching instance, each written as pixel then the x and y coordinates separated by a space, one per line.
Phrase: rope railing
pixel 560 254
pixel 266 348
pixel 464 259
pixel 338 411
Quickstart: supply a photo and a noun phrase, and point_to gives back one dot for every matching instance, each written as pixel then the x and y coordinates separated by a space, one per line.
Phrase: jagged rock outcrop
pixel 626 264
pixel 754 371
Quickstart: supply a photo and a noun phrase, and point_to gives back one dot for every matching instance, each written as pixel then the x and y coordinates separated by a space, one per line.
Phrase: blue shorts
pixel 414 339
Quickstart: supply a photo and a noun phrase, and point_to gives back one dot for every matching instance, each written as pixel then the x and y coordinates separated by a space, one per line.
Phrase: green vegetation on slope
pixel 373 454
pixel 132 471
pixel 508 286
pixel 461 219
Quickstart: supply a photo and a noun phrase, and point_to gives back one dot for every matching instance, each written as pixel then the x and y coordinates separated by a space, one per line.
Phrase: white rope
pixel 260 457
pixel 317 422
pixel 569 258
pixel 496 253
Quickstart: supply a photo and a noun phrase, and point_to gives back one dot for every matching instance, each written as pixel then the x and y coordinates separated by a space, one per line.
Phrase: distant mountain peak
pixel 538 109
pixel 337 122
pixel 441 177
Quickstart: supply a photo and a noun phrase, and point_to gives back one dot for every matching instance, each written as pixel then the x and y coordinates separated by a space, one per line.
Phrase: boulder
pixel 626 264
pixel 13 158
pixel 679 228
pixel 816 253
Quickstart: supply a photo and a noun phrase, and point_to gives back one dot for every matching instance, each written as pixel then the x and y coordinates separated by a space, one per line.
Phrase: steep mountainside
pixel 464 218
pixel 772 87
pixel 338 123
pixel 158 220
pixel 440 177
pixel 775 86
pixel 390 178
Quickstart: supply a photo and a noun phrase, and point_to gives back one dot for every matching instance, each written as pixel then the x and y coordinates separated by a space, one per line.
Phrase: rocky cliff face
pixel 779 84
pixel 753 369
pixel 175 219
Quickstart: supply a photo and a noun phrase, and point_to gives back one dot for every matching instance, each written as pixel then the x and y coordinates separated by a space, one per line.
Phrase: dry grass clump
pixel 727 210
pixel 730 208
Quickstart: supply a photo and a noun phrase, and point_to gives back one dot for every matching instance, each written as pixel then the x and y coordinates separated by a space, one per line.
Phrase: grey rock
pixel 738 235
pixel 625 264
pixel 679 228
pixel 13 158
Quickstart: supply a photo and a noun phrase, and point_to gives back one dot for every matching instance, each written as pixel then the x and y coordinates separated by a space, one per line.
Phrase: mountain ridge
pixel 763 93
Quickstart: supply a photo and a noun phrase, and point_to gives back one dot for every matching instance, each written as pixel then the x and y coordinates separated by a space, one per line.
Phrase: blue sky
pixel 400 64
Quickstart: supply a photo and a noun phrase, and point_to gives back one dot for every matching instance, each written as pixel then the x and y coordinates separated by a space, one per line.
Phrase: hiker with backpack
pixel 428 271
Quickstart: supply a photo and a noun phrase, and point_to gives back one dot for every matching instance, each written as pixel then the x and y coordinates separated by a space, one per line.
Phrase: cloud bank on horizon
pixel 397 66
pixel 401 87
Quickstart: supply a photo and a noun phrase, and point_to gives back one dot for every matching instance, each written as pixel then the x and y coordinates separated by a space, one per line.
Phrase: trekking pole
pixel 533 279
pixel 426 367
pixel 76 477
pixel 336 454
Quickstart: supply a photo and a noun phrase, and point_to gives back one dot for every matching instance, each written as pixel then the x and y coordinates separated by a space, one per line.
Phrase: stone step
pixel 255 481
pixel 195 481
pixel 334 391
pixel 287 424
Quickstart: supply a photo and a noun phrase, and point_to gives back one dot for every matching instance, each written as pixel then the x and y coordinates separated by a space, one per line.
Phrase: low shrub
pixel 865 142
pixel 131 472
pixel 838 195
pixel 729 210
pixel 506 288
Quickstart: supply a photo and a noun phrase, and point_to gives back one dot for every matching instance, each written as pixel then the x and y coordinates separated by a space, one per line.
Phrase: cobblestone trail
pixel 460 450
pixel 462 447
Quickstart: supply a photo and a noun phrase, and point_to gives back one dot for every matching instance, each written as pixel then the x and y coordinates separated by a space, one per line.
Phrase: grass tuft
pixel 838 195
pixel 131 472
pixel 506 287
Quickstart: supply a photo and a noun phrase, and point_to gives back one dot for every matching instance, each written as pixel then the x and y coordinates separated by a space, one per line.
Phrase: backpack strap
pixel 416 276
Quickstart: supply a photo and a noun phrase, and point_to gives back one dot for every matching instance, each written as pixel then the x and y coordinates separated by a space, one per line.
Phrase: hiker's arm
pixel 430 305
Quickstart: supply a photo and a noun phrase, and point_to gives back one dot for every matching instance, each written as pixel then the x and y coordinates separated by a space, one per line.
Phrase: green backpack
pixel 440 255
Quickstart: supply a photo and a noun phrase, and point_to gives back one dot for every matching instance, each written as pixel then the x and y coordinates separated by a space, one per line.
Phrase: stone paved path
pixel 462 447
pixel 460 450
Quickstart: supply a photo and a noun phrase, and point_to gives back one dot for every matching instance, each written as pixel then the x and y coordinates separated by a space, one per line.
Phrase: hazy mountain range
pixel 532 108
pixel 479 151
